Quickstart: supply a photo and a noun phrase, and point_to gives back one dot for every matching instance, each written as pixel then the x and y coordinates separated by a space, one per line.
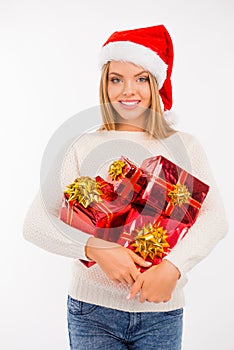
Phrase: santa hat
pixel 150 48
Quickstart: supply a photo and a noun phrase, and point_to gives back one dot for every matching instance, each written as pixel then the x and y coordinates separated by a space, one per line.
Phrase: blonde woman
pixel 112 305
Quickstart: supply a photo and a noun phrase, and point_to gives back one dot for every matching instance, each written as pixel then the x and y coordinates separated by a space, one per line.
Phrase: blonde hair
pixel 156 124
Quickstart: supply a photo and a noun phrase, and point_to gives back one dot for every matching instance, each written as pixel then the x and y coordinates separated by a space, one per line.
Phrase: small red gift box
pixel 151 236
pixel 172 191
pixel 128 180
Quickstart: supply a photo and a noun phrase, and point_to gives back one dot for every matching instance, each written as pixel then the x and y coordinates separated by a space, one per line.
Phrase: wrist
pixel 172 267
pixel 94 246
pixel 89 248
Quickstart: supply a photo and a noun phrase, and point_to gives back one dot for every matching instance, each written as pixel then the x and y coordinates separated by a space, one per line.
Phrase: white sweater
pixel 91 154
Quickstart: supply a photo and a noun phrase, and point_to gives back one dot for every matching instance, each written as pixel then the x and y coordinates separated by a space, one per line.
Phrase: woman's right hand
pixel 116 261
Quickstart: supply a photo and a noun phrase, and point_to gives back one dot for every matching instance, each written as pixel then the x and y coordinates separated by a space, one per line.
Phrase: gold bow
pixel 179 195
pixel 151 240
pixel 116 169
pixel 84 190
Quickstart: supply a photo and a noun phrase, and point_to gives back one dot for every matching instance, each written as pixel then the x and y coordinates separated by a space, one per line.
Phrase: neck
pixel 128 127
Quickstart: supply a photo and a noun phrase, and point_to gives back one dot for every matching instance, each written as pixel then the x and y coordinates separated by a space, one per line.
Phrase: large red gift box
pixel 94 207
pixel 172 191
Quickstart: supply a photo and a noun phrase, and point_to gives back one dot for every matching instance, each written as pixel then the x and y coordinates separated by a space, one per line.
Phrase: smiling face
pixel 129 93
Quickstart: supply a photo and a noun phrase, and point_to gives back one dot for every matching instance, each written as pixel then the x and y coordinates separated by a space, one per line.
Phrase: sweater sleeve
pixel 211 224
pixel 42 225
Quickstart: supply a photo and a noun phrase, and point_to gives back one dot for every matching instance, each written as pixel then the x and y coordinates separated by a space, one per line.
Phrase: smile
pixel 129 104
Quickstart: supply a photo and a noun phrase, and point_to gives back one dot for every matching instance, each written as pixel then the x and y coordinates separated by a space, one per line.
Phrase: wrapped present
pixel 147 209
pixel 128 179
pixel 172 191
pixel 152 237
pixel 92 205
pixel 85 201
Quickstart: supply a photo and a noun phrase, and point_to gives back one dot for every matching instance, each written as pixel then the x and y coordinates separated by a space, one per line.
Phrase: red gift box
pixel 151 236
pixel 128 179
pixel 94 209
pixel 172 191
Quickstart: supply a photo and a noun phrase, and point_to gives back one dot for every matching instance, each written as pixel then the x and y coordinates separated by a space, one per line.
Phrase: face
pixel 129 93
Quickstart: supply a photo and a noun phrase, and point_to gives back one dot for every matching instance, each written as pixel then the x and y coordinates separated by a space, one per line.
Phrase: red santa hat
pixel 150 48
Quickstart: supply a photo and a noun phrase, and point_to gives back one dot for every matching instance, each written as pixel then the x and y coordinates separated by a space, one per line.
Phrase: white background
pixel 49 72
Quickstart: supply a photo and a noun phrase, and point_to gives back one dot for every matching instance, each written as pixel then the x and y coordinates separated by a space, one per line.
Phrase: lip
pixel 129 104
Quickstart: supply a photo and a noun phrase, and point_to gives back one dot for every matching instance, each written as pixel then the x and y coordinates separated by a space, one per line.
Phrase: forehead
pixel 125 67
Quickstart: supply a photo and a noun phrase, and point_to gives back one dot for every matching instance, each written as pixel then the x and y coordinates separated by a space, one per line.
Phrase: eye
pixel 115 80
pixel 143 79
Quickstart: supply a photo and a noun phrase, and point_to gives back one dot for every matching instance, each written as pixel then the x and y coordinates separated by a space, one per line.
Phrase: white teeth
pixel 129 103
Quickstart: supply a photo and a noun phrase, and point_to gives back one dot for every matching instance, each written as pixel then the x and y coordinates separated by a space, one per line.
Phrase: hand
pixel 117 262
pixel 156 284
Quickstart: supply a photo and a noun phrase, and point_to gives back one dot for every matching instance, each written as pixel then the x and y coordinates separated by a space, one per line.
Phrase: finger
pixel 135 273
pixel 135 288
pixel 124 283
pixel 129 280
pixel 135 276
pixel 117 282
pixel 140 261
pixel 125 279
pixel 141 299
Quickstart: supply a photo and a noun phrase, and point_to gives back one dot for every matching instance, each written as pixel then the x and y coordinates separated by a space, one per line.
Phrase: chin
pixel 131 115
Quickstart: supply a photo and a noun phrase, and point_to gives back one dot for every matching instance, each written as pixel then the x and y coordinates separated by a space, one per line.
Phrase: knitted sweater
pixel 90 155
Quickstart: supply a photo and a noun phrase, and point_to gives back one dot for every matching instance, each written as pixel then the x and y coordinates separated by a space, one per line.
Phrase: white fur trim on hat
pixel 137 54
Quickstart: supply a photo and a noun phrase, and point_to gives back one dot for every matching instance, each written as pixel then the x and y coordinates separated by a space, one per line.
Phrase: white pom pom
pixel 171 117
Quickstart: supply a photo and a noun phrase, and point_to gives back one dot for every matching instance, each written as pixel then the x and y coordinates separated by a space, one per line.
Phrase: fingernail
pixel 148 263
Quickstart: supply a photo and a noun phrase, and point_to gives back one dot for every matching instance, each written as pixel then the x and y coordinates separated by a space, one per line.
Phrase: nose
pixel 128 88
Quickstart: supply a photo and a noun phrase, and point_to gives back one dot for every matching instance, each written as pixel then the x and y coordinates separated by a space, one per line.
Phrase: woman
pixel 112 304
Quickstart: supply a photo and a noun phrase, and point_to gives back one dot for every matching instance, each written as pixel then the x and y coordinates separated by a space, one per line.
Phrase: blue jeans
pixel 94 327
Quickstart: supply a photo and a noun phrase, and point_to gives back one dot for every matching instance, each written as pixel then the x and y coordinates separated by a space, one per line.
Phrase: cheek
pixel 113 91
pixel 146 94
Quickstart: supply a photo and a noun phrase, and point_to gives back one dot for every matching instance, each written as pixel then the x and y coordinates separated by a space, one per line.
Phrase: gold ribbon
pixel 116 169
pixel 151 240
pixel 179 195
pixel 84 190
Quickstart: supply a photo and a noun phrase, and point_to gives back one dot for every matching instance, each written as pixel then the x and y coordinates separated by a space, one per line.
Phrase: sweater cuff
pixel 178 263
pixel 79 249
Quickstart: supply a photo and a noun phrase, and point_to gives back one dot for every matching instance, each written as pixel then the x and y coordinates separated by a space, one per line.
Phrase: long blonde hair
pixel 156 124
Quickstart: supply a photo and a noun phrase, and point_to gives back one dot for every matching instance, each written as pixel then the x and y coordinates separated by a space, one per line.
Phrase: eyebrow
pixel 114 73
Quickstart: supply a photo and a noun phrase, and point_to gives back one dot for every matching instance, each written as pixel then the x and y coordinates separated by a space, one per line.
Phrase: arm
pixel 158 283
pixel 116 261
pixel 42 225
pixel 43 228
pixel 211 225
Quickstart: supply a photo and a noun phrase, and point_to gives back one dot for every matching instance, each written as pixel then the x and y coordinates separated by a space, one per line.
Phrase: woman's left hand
pixel 156 284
